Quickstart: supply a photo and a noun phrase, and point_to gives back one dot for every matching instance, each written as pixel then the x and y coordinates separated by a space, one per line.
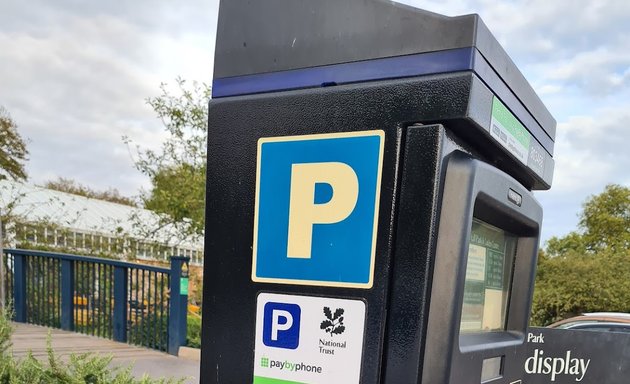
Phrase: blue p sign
pixel 317 203
pixel 281 325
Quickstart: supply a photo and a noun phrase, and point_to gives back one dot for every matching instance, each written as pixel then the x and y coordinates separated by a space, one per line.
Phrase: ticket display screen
pixel 488 278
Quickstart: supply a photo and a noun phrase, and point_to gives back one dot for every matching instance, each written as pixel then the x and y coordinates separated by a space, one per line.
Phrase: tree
pixel 605 220
pixel 604 224
pixel 180 192
pixel 575 283
pixel 178 170
pixel 70 186
pixel 587 270
pixel 13 151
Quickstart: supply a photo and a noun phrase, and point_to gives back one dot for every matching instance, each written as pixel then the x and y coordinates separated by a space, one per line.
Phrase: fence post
pixel 67 295
pixel 178 309
pixel 120 304
pixel 19 287
pixel 3 279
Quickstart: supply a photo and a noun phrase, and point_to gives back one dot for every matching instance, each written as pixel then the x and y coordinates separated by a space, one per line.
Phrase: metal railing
pixel 125 302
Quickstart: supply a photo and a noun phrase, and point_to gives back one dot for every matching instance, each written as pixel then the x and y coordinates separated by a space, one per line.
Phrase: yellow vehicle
pixel 192 308
pixel 82 313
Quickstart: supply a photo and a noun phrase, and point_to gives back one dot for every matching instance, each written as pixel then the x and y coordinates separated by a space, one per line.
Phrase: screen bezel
pixel 473 188
pixel 498 214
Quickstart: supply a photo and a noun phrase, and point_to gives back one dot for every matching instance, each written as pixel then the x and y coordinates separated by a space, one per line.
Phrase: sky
pixel 75 76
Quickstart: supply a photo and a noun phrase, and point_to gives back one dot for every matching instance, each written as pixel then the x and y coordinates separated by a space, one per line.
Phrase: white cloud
pixel 75 76
pixel 600 71
pixel 591 152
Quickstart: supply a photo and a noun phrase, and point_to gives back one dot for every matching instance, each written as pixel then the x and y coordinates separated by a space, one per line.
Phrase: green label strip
pixel 268 380
pixel 183 286
pixel 509 122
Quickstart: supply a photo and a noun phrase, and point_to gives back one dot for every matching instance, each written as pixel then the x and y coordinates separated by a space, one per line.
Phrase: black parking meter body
pixel 463 141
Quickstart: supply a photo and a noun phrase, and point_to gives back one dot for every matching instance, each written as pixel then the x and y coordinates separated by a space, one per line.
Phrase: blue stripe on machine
pixel 369 70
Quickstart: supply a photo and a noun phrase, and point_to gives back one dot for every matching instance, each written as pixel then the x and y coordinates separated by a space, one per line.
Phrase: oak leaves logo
pixel 334 322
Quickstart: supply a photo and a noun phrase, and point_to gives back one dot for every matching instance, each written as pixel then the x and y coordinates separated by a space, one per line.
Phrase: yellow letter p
pixel 304 212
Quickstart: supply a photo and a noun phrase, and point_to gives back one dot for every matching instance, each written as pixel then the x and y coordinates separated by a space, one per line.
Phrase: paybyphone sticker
pixel 308 340
pixel 317 204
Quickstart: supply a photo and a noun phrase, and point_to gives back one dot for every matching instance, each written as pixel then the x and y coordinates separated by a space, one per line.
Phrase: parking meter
pixel 369 214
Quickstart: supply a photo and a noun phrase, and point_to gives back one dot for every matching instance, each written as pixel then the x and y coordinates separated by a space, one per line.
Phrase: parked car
pixel 597 321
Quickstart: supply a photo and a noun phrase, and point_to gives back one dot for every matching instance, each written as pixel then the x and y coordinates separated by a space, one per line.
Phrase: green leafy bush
pixel 85 368
pixel 193 337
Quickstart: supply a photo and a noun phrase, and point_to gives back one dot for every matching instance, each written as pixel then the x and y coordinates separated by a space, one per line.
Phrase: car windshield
pixel 597 326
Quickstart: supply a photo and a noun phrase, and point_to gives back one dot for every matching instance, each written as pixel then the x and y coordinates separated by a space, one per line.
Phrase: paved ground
pixel 156 364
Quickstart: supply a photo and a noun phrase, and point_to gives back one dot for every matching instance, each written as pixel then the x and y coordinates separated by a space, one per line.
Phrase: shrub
pixel 85 368
pixel 193 337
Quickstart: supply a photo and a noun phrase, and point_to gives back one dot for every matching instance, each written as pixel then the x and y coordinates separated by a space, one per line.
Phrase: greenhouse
pixel 39 218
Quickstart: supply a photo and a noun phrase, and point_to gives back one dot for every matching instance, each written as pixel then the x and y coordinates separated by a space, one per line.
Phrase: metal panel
pixel 566 356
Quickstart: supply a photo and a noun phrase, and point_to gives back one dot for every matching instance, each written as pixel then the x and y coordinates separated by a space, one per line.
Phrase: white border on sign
pixel 306 301
pixel 377 199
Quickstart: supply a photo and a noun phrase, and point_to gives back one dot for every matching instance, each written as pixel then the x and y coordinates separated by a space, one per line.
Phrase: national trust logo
pixel 333 324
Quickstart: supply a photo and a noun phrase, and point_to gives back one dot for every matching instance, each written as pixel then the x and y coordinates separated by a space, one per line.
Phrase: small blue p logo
pixel 281 325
